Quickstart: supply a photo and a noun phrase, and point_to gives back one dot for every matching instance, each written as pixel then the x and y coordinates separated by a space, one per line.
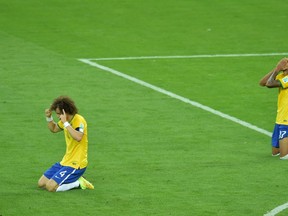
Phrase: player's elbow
pixel 79 137
pixel 273 84
pixel 270 85
pixel 263 82
pixel 53 130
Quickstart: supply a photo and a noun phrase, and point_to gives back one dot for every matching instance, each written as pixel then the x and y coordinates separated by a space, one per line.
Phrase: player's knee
pixel 42 181
pixel 41 184
pixel 51 186
pixel 51 189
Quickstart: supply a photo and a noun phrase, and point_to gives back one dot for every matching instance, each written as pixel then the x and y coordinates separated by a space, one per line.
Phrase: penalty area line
pixel 175 96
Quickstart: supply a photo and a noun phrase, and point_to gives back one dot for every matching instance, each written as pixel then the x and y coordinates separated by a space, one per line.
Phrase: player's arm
pixel 52 125
pixel 76 135
pixel 264 80
pixel 272 82
pixel 269 79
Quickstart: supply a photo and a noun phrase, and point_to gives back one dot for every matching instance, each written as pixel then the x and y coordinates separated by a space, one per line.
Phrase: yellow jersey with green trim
pixel 282 108
pixel 76 152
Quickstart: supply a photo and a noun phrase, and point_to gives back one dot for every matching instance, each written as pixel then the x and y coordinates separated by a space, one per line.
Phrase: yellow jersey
pixel 282 108
pixel 76 152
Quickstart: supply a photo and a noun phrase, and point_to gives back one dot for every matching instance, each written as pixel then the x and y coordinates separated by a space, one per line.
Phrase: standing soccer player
pixel 67 174
pixel 278 78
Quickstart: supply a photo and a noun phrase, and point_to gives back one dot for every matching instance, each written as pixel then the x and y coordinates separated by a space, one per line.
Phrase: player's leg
pixel 52 185
pixel 76 180
pixel 275 141
pixel 275 152
pixel 283 141
pixel 68 178
pixel 48 174
pixel 63 178
pixel 284 148
pixel 69 186
pixel 42 182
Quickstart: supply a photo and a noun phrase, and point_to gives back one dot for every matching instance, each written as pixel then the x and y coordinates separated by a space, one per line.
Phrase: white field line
pixel 276 210
pixel 90 62
pixel 172 95
pixel 190 56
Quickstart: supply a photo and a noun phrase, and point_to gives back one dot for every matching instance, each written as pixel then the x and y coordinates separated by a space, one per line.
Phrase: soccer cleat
pixel 275 155
pixel 284 157
pixel 84 184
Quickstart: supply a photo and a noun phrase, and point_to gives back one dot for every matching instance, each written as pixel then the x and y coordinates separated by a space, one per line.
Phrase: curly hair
pixel 66 103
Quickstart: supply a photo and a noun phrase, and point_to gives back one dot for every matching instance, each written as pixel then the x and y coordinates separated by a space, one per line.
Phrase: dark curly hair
pixel 66 103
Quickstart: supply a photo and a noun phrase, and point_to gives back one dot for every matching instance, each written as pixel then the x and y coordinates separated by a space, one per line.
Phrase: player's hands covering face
pixel 282 65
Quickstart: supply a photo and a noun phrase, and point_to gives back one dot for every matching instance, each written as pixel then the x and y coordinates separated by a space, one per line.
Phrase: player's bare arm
pixel 77 135
pixel 51 124
pixel 264 80
pixel 272 82
pixel 269 79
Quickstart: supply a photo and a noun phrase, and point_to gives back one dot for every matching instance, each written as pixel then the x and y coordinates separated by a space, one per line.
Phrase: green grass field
pixel 149 154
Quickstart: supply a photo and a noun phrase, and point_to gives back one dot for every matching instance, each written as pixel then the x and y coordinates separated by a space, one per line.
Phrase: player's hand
pixel 48 113
pixel 285 72
pixel 282 65
pixel 63 116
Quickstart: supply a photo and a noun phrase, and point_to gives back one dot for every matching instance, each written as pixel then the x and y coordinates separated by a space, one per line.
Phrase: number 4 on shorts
pixel 62 173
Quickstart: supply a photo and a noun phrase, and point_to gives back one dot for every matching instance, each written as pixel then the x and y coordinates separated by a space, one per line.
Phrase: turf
pixel 149 154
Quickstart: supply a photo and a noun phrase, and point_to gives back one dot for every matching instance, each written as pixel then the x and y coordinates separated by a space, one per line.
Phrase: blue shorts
pixel 63 174
pixel 280 132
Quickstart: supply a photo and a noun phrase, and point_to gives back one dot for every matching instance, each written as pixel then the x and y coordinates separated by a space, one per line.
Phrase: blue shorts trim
pixel 280 132
pixel 63 174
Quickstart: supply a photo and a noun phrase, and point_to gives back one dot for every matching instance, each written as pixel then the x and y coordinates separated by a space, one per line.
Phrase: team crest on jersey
pixel 81 128
pixel 285 79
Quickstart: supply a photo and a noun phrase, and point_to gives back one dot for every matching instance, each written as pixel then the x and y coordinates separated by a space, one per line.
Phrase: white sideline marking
pixel 172 95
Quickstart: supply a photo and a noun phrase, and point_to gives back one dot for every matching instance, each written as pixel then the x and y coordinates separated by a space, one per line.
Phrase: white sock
pixel 284 157
pixel 65 187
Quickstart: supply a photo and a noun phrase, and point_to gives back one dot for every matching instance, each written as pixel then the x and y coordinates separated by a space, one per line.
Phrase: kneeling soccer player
pixel 68 173
pixel 278 78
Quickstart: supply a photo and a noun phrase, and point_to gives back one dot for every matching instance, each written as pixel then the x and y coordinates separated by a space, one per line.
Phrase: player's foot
pixel 284 157
pixel 275 155
pixel 85 183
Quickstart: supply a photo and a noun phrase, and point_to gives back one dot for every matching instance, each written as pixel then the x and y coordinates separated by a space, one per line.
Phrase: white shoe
pixel 284 158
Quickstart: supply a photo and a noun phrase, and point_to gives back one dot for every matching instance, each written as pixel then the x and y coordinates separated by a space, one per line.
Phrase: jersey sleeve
pixel 284 82
pixel 79 125
pixel 60 125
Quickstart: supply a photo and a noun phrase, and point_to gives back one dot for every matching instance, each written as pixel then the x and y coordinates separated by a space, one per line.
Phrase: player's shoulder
pixel 79 117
